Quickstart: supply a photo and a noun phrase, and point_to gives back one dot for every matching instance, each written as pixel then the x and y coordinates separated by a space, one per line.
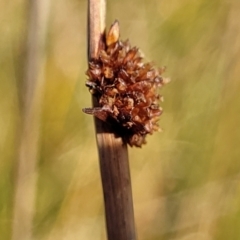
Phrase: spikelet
pixel 126 89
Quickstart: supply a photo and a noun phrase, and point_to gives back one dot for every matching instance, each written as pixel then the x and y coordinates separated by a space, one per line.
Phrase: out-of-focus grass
pixel 185 180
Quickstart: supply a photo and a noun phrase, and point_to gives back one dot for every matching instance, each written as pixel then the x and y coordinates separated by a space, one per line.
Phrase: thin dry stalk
pixel 113 153
pixel 26 173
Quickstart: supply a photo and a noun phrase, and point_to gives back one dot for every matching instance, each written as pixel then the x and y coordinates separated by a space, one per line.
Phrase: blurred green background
pixel 186 179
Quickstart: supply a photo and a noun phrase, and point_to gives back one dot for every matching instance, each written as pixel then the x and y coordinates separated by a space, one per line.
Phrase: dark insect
pixel 99 112
pixel 126 89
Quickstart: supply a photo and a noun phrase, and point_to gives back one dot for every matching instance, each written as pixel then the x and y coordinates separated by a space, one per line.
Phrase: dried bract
pixel 126 89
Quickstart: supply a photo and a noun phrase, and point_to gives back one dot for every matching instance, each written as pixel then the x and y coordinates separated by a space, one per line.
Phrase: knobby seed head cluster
pixel 126 89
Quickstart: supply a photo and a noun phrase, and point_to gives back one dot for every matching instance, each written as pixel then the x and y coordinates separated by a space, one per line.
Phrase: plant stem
pixel 26 172
pixel 113 152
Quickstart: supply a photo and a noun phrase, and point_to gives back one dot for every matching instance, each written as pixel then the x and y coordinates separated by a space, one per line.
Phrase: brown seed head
pixel 126 89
